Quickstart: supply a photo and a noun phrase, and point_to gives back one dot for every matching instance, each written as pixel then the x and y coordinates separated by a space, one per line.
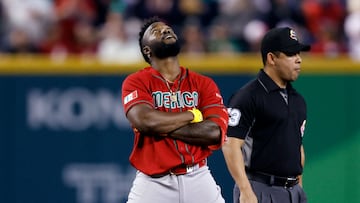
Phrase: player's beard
pixel 162 50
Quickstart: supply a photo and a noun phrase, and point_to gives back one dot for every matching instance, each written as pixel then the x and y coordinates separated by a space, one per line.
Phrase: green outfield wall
pixel 62 128
pixel 332 139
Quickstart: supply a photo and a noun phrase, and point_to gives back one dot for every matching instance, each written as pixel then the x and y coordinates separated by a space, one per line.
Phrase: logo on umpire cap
pixel 293 35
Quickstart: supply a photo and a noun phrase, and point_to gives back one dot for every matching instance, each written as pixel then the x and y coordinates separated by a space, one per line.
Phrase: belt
pixel 286 182
pixel 181 169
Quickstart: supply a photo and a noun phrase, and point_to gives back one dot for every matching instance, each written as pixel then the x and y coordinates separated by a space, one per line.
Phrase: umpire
pixel 264 151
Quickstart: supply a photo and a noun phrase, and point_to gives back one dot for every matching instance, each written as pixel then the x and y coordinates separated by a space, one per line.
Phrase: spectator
pixel 324 19
pixel 31 17
pixel 203 10
pixel 352 29
pixel 253 33
pixel 167 10
pixel 116 45
pixel 18 41
pixel 238 14
pixel 281 11
pixel 73 32
pixel 85 38
pixel 194 41
pixel 219 40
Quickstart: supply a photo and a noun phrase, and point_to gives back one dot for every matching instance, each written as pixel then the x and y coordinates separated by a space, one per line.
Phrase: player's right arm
pixel 148 120
pixel 235 164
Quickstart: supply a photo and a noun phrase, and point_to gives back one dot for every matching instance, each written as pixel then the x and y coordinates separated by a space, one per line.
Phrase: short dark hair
pixel 264 57
pixel 147 23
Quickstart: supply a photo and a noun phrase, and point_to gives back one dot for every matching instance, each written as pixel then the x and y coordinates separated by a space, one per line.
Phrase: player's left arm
pixel 302 153
pixel 302 150
pixel 211 131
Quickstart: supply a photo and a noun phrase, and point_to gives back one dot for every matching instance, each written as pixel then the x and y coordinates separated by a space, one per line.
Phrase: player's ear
pixel 146 50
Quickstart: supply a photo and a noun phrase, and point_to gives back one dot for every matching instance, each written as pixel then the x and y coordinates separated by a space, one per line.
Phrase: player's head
pixel 283 40
pixel 157 39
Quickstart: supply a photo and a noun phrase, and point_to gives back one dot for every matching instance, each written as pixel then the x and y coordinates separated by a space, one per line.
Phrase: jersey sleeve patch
pixel 234 116
pixel 133 95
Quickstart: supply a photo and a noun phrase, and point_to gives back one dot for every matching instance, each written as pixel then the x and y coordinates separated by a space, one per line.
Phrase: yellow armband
pixel 197 115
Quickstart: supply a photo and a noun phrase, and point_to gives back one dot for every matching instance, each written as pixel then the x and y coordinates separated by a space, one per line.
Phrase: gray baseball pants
pixel 198 186
pixel 274 194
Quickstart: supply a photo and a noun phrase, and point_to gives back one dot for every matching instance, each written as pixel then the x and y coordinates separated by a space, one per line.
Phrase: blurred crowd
pixel 108 29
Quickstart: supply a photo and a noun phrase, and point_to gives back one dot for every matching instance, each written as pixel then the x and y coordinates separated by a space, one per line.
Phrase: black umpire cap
pixel 282 39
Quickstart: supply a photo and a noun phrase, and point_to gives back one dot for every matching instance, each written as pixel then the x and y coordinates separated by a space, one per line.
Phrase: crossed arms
pixel 176 125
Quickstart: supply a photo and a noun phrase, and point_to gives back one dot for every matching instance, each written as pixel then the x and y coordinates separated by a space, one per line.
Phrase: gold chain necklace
pixel 173 96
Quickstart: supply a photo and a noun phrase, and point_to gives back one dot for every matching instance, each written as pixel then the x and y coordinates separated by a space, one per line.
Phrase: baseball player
pixel 264 151
pixel 178 118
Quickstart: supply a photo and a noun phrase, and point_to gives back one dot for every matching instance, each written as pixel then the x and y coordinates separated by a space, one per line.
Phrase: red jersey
pixel 158 154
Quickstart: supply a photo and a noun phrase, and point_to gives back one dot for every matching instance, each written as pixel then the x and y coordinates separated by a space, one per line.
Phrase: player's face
pixel 288 66
pixel 161 40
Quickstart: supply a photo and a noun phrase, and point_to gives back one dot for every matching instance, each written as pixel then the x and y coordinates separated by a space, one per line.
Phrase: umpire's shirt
pixel 271 120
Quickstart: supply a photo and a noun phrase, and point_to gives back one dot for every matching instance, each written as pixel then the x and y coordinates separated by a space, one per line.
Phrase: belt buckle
pixel 190 168
pixel 289 181
pixel 182 171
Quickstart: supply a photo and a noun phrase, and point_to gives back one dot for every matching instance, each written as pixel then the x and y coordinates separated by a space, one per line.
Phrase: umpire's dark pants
pixel 274 194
